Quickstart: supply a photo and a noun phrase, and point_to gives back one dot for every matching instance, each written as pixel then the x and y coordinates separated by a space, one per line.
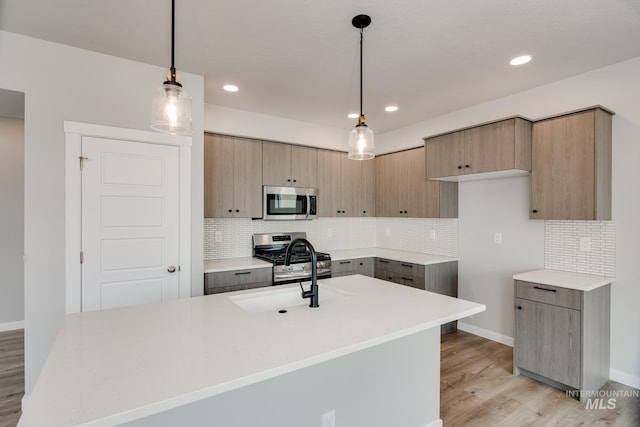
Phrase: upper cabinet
pixel 346 186
pixel 286 165
pixel 501 148
pixel 571 166
pixel 403 191
pixel 232 177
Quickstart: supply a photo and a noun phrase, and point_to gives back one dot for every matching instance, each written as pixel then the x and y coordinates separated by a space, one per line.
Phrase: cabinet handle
pixel 407 265
pixel 459 167
pixel 345 262
pixel 364 211
pixel 383 261
pixel 407 278
pixel 535 211
pixel 288 180
pixel 237 210
pixel 544 289
pixel 519 307
pixel 467 166
pixel 242 273
pixel 230 210
pixel 361 263
pixel 295 180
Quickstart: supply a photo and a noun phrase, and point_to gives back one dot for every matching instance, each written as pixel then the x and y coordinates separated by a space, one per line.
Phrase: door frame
pixel 74 131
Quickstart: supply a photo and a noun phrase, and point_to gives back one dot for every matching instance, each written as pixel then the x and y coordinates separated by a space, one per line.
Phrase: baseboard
pixel 624 378
pixel 11 326
pixel 436 423
pixel 485 333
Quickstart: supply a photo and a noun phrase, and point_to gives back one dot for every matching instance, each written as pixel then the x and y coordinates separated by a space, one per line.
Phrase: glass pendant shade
pixel 171 110
pixel 361 143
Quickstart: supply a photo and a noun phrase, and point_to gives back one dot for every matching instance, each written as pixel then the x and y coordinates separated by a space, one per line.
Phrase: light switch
pixel 217 236
pixel 497 238
pixel 387 231
pixel 329 232
pixel 585 244
pixel 432 234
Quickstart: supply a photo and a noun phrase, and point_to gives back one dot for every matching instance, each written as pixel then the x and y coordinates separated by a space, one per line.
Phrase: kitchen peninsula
pixel 370 353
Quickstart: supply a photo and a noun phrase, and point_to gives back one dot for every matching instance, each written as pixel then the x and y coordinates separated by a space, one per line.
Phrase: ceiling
pixel 299 59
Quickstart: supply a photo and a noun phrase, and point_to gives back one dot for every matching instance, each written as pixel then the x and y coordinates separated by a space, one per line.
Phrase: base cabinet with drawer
pixel 441 278
pixel 562 336
pixel 237 280
pixel 347 267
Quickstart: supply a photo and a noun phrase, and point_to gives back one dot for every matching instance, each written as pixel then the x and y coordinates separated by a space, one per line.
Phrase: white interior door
pixel 130 223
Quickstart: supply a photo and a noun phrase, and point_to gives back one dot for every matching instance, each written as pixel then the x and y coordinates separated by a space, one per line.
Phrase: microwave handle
pixel 308 205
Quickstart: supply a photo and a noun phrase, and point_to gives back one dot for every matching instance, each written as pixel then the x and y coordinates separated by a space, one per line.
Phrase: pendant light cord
pixel 173 19
pixel 361 37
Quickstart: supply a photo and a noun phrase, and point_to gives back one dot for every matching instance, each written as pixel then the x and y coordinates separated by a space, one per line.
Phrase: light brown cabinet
pixel 346 186
pixel 495 149
pixel 287 165
pixel 562 336
pixel 571 166
pixel 232 177
pixel 403 191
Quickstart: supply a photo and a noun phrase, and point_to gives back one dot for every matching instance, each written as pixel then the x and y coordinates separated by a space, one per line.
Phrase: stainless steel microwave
pixel 289 203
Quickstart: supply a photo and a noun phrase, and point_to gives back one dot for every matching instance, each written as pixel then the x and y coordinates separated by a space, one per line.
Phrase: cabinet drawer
pixel 400 267
pixel 226 281
pixel 562 297
pixel 343 266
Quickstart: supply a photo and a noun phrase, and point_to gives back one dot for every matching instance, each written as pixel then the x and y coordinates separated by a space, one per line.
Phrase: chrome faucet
pixel 313 293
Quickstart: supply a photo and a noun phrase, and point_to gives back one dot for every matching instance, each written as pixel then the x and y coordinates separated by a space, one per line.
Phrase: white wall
pixel 11 222
pixel 616 87
pixel 64 83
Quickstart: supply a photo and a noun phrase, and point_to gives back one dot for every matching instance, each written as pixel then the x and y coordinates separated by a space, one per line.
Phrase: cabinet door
pixel 368 194
pixel 247 178
pixel 329 182
pixel 490 147
pixel 387 197
pixel 422 195
pixel 563 171
pixel 548 341
pixel 350 194
pixel 218 176
pixel 276 164
pixel 445 155
pixel 304 167
pixel 365 266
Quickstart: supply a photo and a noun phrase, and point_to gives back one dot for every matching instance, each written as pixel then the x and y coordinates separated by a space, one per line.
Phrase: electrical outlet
pixel 329 419
pixel 585 244
pixel 497 238
pixel 432 234
pixel 217 237
pixel 329 232
pixel 387 231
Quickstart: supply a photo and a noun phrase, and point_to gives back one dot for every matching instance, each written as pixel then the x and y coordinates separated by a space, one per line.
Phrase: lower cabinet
pixel 562 336
pixel 440 278
pixel 347 267
pixel 237 280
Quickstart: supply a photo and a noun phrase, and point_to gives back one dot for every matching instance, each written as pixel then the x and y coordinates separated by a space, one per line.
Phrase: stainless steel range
pixel 272 247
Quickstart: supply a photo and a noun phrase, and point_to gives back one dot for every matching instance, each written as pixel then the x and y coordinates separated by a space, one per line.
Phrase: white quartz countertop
pixel 230 264
pixel 565 279
pixel 113 366
pixel 406 256
pixel 219 265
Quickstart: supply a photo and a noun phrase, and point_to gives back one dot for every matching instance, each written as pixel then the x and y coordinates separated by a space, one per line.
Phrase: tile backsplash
pixel 231 237
pixel 563 252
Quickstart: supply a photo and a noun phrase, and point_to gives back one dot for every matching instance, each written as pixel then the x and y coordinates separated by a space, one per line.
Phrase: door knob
pixel 171 269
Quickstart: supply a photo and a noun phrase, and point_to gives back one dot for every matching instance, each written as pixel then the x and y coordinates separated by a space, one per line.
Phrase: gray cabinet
pixel 562 335
pixel 571 166
pixel 232 177
pixel 287 165
pixel 347 267
pixel 441 278
pixel 500 146
pixel 346 186
pixel 402 189
pixel 236 280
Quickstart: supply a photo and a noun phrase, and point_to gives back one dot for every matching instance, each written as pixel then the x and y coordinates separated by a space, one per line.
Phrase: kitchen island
pixel 370 353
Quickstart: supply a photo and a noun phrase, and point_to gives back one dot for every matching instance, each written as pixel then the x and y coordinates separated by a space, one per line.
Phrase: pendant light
pixel 171 106
pixel 361 137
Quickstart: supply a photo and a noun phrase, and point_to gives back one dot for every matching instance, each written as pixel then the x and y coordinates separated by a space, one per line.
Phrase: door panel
pixel 129 223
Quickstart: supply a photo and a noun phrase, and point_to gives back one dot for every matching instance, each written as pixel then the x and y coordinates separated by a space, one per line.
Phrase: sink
pixel 281 298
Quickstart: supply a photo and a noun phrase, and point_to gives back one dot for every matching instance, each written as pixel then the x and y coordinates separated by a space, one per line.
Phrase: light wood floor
pixel 477 389
pixel 11 376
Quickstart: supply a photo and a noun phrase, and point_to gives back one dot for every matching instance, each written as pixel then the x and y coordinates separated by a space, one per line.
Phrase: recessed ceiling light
pixel 353 115
pixel 230 88
pixel 391 108
pixel 520 60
